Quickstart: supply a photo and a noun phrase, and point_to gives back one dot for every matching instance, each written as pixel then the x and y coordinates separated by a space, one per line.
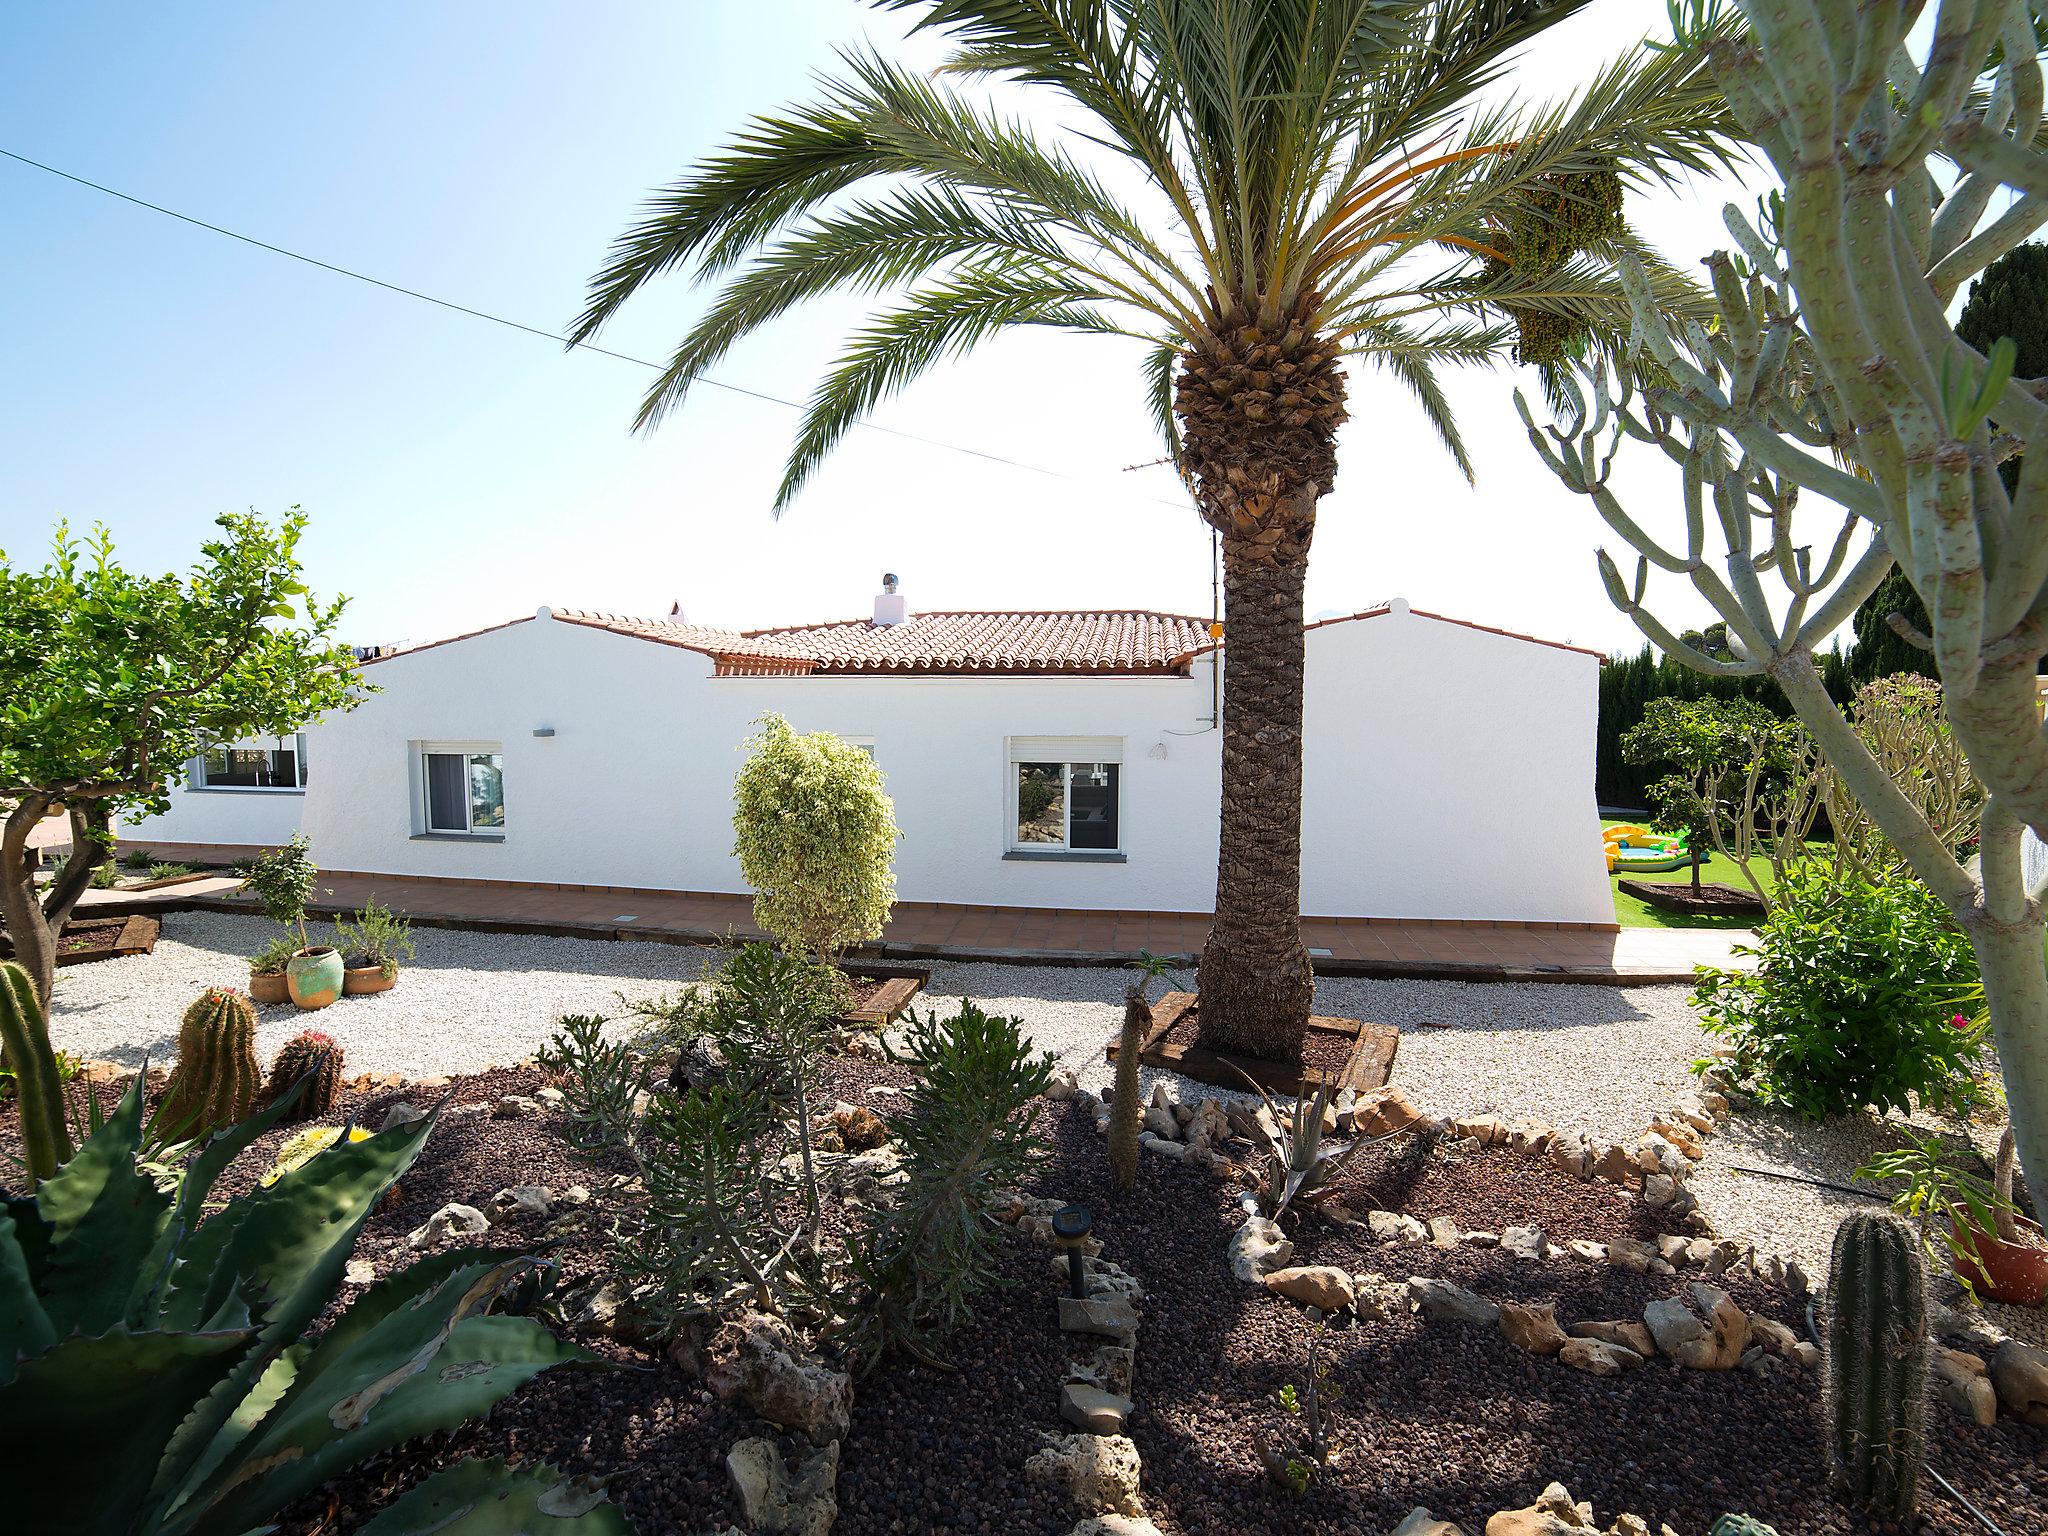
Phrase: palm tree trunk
pixel 1255 982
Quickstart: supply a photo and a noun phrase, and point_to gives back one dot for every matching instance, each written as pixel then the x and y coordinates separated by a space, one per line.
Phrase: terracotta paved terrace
pixel 1348 946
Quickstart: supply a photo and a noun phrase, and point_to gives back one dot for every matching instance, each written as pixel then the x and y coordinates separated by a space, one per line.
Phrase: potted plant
pixel 266 970
pixel 283 881
pixel 1998 1254
pixel 371 948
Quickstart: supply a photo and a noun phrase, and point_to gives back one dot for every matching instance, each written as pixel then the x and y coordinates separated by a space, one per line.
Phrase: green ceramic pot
pixel 314 977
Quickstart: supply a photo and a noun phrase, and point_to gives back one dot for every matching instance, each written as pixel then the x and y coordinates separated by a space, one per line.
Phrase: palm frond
pixel 1161 364
pixel 943 319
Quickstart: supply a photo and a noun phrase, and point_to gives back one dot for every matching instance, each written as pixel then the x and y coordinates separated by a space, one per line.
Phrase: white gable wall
pixel 1450 772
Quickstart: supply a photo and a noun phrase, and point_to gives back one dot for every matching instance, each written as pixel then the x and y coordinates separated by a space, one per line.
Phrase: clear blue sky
pixel 459 473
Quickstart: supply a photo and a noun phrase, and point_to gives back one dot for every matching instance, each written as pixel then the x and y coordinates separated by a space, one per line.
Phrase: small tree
pixel 109 681
pixel 282 881
pixel 814 834
pixel 1736 763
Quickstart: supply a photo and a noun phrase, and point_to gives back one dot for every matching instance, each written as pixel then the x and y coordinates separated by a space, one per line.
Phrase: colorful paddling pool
pixel 1638 850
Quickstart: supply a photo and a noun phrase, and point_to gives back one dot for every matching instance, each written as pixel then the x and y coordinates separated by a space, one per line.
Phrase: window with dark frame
pixel 464 791
pixel 258 763
pixel 1066 805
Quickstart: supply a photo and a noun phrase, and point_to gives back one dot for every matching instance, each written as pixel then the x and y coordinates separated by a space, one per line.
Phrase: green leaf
pixel 25 1328
pixel 488 1498
pixel 105 1216
pixel 95 1414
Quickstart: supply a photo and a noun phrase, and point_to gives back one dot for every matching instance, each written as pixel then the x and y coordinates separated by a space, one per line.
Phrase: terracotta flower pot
pixel 270 988
pixel 358 979
pixel 314 977
pixel 2014 1273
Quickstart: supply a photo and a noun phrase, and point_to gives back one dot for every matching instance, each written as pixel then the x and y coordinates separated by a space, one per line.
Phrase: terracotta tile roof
pixel 1124 642
pixel 1380 610
pixel 1119 642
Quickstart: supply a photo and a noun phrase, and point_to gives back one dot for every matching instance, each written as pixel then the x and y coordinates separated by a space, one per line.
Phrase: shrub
pixel 378 936
pixel 163 1368
pixel 282 881
pixel 272 958
pixel 814 834
pixel 1852 1002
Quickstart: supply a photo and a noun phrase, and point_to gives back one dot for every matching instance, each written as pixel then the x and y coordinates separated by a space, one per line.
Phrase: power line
pixel 531 330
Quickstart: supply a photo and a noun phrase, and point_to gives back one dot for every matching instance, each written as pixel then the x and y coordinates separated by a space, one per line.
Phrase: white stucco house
pixel 1061 760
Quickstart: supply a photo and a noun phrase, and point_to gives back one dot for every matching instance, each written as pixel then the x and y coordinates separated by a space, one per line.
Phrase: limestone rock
pixel 778 1500
pixel 1153 1142
pixel 1681 1136
pixel 1099 1473
pixel 1444 1232
pixel 1378 1300
pixel 453 1220
pixel 1585 1248
pixel 1108 1317
pixel 1160 1122
pixel 1384 1113
pixel 1063 1086
pixel 1631 1336
pixel 1257 1249
pixel 2020 1373
pixel 1672 1324
pixel 516 1106
pixel 1115 1525
pixel 1773 1335
pixel 1572 1155
pixel 1442 1302
pixel 1553 1514
pixel 1631 1254
pixel 1614 1164
pixel 1525 1242
pixel 359 1272
pixel 1314 1285
pixel 1092 1410
pixel 523 1200
pixel 756 1360
pixel 1532 1327
pixel 1110 1368
pixel 1420 1522
pixel 1598 1357
pixel 1487 1130
pixel 1963 1382
pixel 1705 1330
pixel 550 1098
pixel 401 1113
pixel 1393 1227
pixel 1532 1138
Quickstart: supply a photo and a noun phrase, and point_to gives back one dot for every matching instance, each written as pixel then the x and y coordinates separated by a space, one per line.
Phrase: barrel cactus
pixel 25 1043
pixel 215 1081
pixel 1741 1525
pixel 1877 1362
pixel 307 1052
pixel 160 1365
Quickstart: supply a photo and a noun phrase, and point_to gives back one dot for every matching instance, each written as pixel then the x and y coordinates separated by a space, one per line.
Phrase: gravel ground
pixel 1603 1059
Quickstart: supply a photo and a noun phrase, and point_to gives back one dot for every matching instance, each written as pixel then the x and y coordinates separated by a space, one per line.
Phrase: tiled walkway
pixel 1341 946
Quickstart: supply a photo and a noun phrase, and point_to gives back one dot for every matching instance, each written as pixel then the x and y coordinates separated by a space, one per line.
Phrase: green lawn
pixel 1632 912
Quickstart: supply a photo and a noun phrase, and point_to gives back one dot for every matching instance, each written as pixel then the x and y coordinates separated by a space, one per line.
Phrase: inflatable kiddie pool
pixel 1638 850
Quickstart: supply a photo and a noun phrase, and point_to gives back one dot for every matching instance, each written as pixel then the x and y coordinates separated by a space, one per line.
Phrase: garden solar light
pixel 1070 1225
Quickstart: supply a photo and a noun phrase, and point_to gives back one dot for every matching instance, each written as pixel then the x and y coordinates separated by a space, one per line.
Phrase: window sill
pixel 1067 856
pixel 458 837
pixel 241 789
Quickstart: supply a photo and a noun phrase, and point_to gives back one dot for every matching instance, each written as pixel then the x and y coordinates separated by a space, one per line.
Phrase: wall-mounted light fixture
pixel 543 730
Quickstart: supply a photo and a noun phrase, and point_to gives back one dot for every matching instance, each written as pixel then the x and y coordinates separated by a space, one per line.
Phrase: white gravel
pixel 1601 1059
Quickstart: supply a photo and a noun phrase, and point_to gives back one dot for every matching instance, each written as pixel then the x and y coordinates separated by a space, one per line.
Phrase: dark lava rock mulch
pixel 1453 1417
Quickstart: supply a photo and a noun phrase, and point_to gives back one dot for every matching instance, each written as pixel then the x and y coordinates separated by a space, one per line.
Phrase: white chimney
pixel 891 606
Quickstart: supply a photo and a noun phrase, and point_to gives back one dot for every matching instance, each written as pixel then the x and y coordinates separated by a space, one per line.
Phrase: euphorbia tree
pixel 109 681
pixel 1256 190
pixel 1909 161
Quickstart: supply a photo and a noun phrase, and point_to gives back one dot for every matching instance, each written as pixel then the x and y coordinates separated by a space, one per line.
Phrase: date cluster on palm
pixel 1259 409
pixel 1567 214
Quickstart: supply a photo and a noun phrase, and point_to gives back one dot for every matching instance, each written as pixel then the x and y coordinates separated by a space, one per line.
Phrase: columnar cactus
pixel 25 1045
pixel 307 1051
pixel 1877 1362
pixel 216 1078
pixel 1124 1107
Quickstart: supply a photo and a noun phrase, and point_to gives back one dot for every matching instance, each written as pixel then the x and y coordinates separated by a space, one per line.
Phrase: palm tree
pixel 1259 190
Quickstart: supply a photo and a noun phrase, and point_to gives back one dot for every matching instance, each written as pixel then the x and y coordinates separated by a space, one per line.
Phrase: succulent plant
pixel 1877 1362
pixel 215 1081
pixel 1741 1525
pixel 1123 1105
pixel 160 1364
pixel 25 1042
pixel 308 1052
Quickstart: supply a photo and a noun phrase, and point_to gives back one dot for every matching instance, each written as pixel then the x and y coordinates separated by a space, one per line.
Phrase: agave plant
pixel 159 1375
pixel 1298 1164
